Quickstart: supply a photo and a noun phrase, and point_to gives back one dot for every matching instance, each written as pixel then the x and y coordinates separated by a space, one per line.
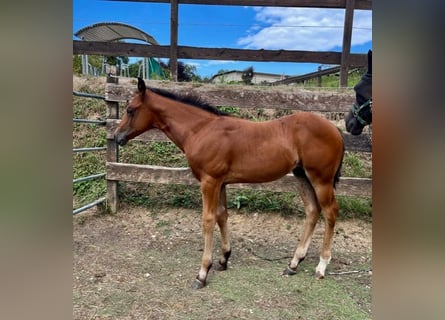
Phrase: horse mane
pixel 192 100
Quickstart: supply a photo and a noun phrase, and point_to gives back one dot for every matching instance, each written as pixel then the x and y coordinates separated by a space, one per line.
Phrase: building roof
pixel 113 31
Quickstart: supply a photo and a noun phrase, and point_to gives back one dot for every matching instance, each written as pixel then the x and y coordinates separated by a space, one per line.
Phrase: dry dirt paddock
pixel 139 264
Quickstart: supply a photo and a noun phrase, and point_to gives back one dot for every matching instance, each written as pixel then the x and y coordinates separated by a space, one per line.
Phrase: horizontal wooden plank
pixel 361 187
pixel 256 97
pixel 186 52
pixel 361 143
pixel 307 76
pixel 359 4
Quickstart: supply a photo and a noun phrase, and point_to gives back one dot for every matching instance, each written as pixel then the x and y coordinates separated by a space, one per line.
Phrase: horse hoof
pixel 198 284
pixel 289 271
pixel 318 275
pixel 220 267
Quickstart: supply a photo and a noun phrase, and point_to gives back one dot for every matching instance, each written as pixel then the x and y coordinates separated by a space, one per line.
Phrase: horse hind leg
pixel 312 210
pixel 329 206
pixel 221 219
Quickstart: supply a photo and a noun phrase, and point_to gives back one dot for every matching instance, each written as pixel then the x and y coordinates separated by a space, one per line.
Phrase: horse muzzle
pixel 120 139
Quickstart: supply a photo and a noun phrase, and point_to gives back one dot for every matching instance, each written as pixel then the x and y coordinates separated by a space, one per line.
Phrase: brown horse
pixel 221 150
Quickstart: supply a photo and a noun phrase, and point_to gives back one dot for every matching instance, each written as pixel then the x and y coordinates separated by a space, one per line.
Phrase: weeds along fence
pixel 89 149
pixel 285 98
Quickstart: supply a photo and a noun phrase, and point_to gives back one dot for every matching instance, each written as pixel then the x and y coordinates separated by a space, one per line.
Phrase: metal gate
pixel 90 149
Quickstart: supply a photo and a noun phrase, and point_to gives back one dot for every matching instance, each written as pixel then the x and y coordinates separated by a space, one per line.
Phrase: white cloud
pixel 218 62
pixel 305 29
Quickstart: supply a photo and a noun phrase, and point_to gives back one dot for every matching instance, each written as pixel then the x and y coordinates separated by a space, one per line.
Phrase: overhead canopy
pixel 113 31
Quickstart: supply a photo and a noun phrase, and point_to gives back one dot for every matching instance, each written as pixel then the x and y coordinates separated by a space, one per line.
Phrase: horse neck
pixel 177 120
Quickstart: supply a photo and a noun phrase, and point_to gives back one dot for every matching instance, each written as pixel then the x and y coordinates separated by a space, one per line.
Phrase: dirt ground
pixel 139 264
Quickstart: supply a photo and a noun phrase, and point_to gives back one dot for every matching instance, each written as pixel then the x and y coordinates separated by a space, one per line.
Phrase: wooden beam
pixel 308 76
pixel 255 97
pixel 361 187
pixel 112 151
pixel 346 48
pixel 361 4
pixel 174 39
pixel 185 52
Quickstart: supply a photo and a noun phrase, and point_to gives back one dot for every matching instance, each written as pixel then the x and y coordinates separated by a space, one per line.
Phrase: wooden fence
pixel 318 100
pixel 174 51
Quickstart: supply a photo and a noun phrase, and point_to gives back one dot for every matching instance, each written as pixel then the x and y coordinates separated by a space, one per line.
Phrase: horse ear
pixel 141 85
pixel 370 61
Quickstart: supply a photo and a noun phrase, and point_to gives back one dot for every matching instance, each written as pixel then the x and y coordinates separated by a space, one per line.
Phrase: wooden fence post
pixel 346 48
pixel 174 39
pixel 112 151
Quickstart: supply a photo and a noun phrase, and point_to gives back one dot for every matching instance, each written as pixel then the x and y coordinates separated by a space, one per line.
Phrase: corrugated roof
pixel 113 31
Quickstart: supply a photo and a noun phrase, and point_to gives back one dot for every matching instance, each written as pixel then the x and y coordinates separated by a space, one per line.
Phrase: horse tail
pixel 338 173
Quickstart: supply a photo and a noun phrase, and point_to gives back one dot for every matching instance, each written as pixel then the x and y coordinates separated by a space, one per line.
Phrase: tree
pixel 77 64
pixel 186 72
pixel 116 61
pixel 247 75
pixel 95 61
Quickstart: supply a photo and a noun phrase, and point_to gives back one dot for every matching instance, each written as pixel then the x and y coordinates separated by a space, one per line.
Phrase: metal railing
pixel 89 149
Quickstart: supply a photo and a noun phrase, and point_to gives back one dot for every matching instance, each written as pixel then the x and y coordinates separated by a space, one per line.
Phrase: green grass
pixel 303 293
pixel 354 207
pixel 333 81
pixel 354 166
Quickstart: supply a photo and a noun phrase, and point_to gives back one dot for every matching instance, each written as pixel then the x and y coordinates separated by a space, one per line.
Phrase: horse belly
pixel 264 168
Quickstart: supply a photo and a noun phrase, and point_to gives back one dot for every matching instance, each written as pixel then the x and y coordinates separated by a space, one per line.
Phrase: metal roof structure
pixel 113 31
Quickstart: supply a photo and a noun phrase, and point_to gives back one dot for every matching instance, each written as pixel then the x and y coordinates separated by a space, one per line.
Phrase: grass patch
pixel 354 207
pixel 260 293
pixel 153 196
pixel 355 166
pixel 158 153
pixel 245 201
pixel 333 80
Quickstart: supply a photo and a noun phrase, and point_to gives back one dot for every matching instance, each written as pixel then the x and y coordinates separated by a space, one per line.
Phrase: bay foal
pixel 222 150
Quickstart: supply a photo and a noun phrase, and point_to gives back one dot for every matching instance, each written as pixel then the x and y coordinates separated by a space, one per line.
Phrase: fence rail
pixel 99 122
pixel 187 52
pixel 89 205
pixel 358 4
pixel 89 149
pixel 94 176
pixel 88 95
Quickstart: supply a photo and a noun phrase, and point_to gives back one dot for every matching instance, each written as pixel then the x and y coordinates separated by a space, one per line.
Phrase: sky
pixel 238 27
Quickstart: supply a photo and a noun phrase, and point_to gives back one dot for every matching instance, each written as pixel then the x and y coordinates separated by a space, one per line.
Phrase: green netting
pixel 154 69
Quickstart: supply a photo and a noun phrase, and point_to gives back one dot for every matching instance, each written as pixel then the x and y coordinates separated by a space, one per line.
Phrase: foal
pixel 222 150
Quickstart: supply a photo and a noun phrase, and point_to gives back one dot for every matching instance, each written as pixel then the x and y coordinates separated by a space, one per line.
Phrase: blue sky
pixel 239 27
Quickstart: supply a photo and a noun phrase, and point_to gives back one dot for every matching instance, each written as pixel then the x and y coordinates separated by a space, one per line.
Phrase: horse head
pixel 138 117
pixel 360 114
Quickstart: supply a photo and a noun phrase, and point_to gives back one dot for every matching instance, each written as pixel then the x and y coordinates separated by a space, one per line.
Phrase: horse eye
pixel 130 111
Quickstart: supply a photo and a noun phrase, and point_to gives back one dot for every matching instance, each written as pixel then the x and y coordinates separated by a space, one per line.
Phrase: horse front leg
pixel 210 190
